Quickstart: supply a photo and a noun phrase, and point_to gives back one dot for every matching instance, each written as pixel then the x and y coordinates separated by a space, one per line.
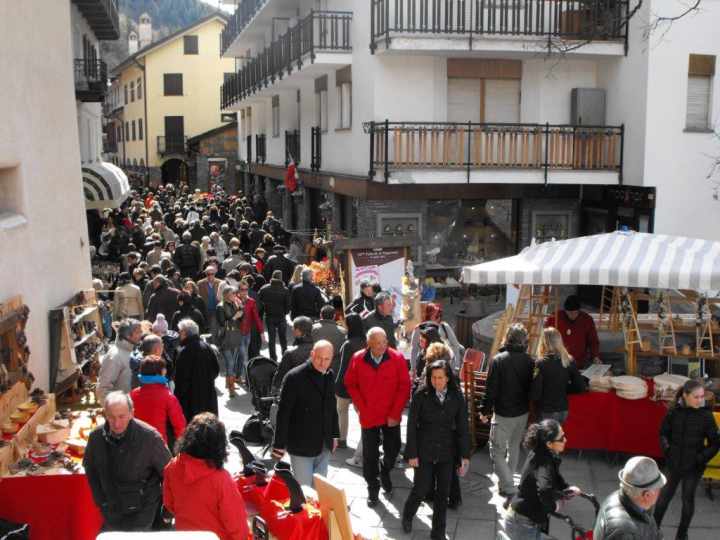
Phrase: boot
pixel 260 472
pixel 248 459
pixel 230 385
pixel 297 498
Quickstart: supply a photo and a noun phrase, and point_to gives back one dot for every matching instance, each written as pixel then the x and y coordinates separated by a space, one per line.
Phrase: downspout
pixel 146 134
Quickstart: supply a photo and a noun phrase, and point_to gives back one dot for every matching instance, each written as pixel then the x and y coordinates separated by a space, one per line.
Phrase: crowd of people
pixel 207 281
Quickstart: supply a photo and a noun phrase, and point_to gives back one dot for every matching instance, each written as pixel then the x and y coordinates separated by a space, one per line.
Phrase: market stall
pixel 657 294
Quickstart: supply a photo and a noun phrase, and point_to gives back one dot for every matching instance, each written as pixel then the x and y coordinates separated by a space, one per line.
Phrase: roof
pixel 621 258
pixel 211 132
pixel 155 44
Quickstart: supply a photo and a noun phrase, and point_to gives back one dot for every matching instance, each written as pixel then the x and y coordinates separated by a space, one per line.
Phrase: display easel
pixel 334 509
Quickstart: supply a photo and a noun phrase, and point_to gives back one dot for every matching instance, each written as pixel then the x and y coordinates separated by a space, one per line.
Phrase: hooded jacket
pixel 156 405
pixel 204 498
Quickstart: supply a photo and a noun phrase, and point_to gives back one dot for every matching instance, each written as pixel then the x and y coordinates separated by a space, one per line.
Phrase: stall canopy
pixel 105 186
pixel 621 258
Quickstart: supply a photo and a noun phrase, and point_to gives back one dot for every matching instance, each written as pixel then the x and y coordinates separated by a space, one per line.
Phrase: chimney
pixel 145 30
pixel 132 43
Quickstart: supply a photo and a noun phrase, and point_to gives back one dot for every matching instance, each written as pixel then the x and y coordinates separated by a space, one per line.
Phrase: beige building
pixel 169 92
pixel 43 232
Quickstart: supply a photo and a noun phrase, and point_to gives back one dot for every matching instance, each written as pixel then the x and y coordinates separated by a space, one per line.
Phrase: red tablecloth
pixel 604 421
pixel 57 507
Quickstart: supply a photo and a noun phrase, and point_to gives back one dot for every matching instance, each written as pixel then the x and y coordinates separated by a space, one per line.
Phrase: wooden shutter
pixel 173 84
pixel 502 100
pixel 190 44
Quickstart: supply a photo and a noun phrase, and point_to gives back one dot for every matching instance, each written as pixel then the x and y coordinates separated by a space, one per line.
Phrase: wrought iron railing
pixel 238 21
pixel 566 19
pixel 469 146
pixel 292 147
pixel 90 78
pixel 319 31
pixel 248 148
pixel 260 150
pixel 315 148
pixel 171 144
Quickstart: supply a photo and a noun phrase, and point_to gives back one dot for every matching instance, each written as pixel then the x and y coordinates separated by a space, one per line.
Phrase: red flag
pixel 291 177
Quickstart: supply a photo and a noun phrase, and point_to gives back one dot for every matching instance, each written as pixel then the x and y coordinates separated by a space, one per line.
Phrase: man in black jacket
pixel 507 398
pixel 296 355
pixel 187 257
pixel 274 301
pixel 196 369
pixel 307 422
pixel 306 299
pixel 124 461
pixel 365 303
pixel 382 317
pixel 278 261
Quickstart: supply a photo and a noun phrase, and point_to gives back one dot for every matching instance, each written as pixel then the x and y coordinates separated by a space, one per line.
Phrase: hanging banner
pixel 385 266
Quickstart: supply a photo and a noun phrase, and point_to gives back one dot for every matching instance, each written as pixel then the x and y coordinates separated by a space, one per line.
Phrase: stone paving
pixel 476 519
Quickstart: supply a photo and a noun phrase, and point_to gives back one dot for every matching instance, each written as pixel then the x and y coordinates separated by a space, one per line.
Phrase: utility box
pixel 587 107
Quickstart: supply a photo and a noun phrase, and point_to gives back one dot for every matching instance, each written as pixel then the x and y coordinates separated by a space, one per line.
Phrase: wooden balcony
pixel 102 16
pixel 244 13
pixel 90 80
pixel 473 20
pixel 470 146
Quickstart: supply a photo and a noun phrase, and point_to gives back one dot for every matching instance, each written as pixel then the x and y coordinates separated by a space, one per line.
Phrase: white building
pixel 43 231
pixel 478 125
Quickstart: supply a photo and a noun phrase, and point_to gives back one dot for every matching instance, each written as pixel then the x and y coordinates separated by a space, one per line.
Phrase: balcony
pixel 248 148
pixel 499 25
pixel 292 147
pixel 171 144
pixel 425 152
pixel 102 16
pixel 260 154
pixel 244 13
pixel 320 40
pixel 90 80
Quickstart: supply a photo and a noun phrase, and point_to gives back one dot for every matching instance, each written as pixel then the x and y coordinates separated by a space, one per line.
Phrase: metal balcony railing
pixel 319 31
pixel 292 147
pixel 90 79
pixel 238 21
pixel 102 16
pixel 469 146
pixel 248 148
pixel 260 150
pixel 315 148
pixel 171 144
pixel 566 19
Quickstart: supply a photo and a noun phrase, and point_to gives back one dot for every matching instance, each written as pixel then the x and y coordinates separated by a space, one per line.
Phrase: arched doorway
pixel 174 171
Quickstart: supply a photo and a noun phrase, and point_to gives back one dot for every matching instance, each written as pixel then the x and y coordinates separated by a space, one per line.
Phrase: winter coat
pixel 204 292
pixel 507 390
pixel 203 498
pixel 541 486
pixel 621 519
pixel 552 382
pixel 362 304
pixel 282 263
pixel 189 311
pixel 292 358
pixel 196 368
pixel 335 334
pixel 127 302
pixel 134 463
pixel 274 300
pixel 156 405
pixel 228 327
pixel 306 299
pixel 379 391
pixel 387 323
pixel 683 435
pixel 115 372
pixel 251 319
pixel 437 432
pixel 188 260
pixel 307 420
pixel 347 350
pixel 164 300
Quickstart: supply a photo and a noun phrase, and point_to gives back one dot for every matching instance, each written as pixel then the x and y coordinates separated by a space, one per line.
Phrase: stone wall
pixel 221 144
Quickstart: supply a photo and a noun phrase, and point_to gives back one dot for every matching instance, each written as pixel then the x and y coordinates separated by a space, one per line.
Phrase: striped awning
pixel 621 258
pixel 105 185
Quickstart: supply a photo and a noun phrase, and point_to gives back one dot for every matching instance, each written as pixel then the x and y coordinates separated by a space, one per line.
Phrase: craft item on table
pixel 596 370
pixel 52 434
pixel 77 446
pixel 600 384
pixel 629 387
pixel 666 386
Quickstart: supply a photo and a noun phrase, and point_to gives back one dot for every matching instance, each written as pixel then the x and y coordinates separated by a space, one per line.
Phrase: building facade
pixel 476 126
pixel 214 158
pixel 41 182
pixel 168 92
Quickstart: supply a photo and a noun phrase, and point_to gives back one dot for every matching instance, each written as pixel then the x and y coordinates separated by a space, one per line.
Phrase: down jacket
pixel 683 433
pixel 621 519
pixel 156 405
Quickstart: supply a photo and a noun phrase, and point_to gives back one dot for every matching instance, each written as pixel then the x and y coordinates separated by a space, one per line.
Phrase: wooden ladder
pixel 630 328
pixel 666 329
pixel 535 304
pixel 609 318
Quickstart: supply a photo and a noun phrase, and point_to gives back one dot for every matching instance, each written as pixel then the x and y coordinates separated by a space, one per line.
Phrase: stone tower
pixel 132 42
pixel 145 30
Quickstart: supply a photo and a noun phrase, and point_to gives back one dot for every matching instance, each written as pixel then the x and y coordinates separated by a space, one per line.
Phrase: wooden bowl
pixel 29 407
pixel 20 417
pixel 10 428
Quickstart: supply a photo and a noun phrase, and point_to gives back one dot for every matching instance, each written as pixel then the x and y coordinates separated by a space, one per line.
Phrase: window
pixel 321 103
pixel 139 88
pixel 12 198
pixel 190 44
pixel 173 84
pixel 140 129
pixel 126 94
pixel 701 71
pixel 120 134
pixel 132 91
pixel 343 84
pixel 132 130
pixel 276 116
pixel 127 131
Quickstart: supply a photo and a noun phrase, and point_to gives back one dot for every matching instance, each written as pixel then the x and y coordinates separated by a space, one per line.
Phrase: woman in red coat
pixel 197 489
pixel 153 401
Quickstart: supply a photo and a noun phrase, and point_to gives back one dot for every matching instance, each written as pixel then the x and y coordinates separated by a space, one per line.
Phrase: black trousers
pixel 689 481
pixel 426 476
pixel 273 327
pixel 371 453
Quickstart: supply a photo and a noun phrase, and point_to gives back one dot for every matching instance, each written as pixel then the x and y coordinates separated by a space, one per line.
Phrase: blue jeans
pixel 243 354
pixel 231 362
pixel 518 528
pixel 303 468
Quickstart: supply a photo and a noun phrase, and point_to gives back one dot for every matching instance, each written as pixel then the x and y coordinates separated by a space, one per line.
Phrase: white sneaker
pixel 353 462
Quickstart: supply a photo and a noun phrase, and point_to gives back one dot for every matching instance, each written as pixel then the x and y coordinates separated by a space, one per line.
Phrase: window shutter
pixel 173 84
pixel 190 44
pixel 698 102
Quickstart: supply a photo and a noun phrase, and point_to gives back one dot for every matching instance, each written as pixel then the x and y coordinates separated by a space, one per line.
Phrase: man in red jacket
pixel 378 382
pixel 578 332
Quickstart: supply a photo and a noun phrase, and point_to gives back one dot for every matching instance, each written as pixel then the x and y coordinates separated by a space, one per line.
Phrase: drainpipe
pixel 145 134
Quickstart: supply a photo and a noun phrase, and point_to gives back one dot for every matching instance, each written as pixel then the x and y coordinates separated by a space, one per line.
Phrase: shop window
pixel 12 204
pixel 549 225
pixel 701 71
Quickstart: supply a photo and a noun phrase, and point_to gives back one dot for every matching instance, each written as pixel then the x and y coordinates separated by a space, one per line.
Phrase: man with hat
pixel 626 512
pixel 578 332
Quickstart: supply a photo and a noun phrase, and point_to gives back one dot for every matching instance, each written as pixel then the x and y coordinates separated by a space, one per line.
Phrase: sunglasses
pixel 563 438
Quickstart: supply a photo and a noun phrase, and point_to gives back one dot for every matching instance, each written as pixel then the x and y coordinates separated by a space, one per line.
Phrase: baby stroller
pixel 259 428
pixel 576 531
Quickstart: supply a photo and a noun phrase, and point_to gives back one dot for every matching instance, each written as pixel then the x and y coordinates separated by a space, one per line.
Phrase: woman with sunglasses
pixel 542 487
pixel 689 438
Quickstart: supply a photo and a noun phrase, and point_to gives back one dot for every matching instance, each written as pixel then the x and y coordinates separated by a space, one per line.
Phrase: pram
pixel 576 531
pixel 259 427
